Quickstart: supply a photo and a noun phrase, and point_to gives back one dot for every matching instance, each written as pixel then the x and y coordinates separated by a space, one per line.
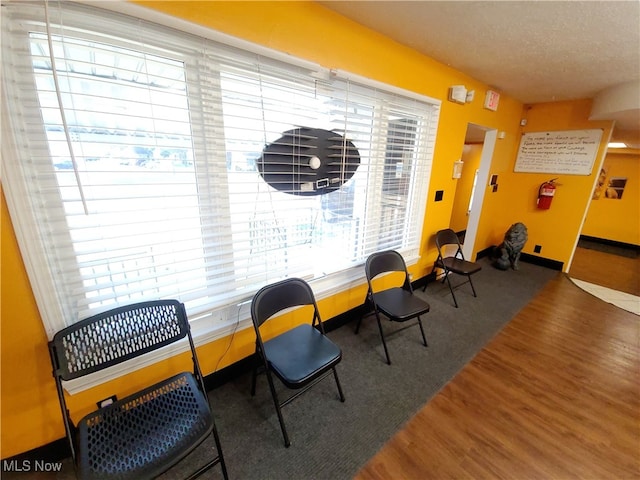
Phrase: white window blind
pixel 132 170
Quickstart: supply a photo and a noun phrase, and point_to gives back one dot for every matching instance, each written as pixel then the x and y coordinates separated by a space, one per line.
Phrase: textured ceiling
pixel 534 51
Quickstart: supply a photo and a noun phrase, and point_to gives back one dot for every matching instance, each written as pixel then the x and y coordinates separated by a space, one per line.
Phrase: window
pixel 132 166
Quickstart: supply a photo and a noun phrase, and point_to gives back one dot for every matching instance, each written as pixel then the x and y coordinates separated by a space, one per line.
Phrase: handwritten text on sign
pixel 570 152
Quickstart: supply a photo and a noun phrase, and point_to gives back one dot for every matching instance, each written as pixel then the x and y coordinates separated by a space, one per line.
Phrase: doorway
pixel 598 259
pixel 477 153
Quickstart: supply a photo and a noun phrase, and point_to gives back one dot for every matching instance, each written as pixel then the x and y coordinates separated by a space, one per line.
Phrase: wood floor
pixel 556 395
pixel 611 271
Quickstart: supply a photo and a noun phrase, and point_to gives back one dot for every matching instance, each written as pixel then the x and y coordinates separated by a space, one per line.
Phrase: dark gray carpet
pixel 333 440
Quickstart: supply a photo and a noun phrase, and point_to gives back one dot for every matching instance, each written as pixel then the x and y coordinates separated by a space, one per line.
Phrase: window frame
pixel 223 321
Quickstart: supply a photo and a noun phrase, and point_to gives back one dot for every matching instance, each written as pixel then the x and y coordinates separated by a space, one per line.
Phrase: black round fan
pixel 308 161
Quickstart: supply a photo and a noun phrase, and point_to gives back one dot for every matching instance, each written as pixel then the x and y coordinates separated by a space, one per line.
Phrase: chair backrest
pixel 117 335
pixel 274 298
pixel 386 262
pixel 448 237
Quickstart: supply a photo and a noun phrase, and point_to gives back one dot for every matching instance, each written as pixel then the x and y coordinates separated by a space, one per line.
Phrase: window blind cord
pixel 149 81
pixel 226 242
pixel 295 160
pixel 65 126
pixel 279 229
pixel 343 166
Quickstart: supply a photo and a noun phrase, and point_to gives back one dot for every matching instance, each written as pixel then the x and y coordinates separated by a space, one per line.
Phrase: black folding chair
pixel 148 432
pixel 453 261
pixel 300 357
pixel 399 304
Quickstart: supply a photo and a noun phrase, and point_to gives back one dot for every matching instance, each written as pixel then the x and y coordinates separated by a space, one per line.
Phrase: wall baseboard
pixel 542 262
pixel 613 243
pixel 526 257
pixel 59 450
pixel 53 452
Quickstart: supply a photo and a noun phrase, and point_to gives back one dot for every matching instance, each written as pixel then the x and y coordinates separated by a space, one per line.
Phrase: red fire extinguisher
pixel 545 194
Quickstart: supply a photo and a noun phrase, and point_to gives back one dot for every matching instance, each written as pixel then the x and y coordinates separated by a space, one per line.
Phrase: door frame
pixel 488 146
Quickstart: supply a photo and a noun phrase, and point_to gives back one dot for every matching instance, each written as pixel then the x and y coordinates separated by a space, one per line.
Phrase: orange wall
pixel 617 219
pixel 471 158
pixel 555 230
pixel 27 391
pixel 30 415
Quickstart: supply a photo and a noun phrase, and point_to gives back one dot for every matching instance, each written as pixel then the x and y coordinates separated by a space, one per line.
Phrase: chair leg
pixel 276 402
pixel 473 289
pixel 424 339
pixel 424 289
pixel 335 375
pixel 223 465
pixel 446 276
pixel 221 461
pixel 384 344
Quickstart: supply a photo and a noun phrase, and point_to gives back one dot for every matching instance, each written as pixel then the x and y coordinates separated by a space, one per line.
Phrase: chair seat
pixel 140 436
pixel 459 266
pixel 297 355
pixel 400 305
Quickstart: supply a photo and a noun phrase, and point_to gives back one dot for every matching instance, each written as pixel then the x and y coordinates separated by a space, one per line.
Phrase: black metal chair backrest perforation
pixel 113 337
pixel 149 431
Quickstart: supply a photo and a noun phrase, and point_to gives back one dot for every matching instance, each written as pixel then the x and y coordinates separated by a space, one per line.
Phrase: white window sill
pixel 219 324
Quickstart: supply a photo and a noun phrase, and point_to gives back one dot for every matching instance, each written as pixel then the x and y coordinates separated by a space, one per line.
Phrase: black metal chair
pixel 148 432
pixel 453 261
pixel 300 357
pixel 399 303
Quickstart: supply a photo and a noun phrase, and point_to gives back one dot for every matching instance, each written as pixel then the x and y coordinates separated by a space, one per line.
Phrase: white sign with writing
pixel 571 152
